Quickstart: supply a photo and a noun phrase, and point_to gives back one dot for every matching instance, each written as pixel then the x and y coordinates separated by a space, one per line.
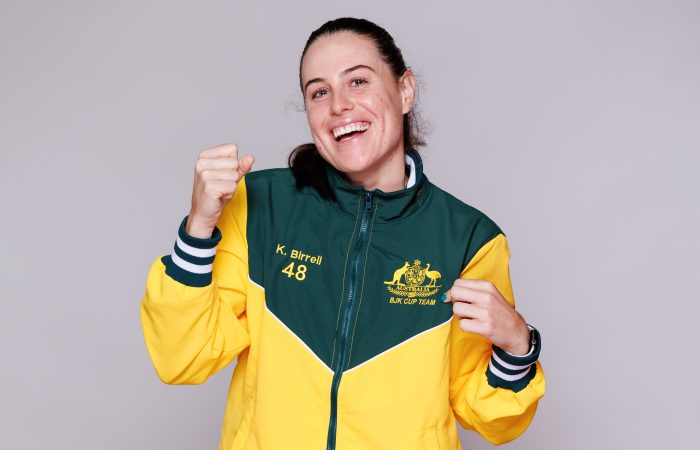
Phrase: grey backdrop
pixel 573 124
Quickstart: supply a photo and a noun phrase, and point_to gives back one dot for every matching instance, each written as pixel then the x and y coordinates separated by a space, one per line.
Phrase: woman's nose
pixel 340 103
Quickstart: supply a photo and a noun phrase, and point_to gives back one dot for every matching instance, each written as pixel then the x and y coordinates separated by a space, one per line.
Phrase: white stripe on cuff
pixel 508 366
pixel 194 251
pixel 507 377
pixel 188 266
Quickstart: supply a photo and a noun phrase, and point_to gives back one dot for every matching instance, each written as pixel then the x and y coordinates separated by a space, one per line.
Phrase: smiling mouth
pixel 349 131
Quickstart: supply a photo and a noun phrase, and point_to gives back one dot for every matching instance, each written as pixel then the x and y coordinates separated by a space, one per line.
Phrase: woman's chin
pixel 353 165
pixel 347 159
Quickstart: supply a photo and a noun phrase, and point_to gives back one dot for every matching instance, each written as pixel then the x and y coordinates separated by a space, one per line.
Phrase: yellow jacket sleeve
pixel 193 313
pixel 491 391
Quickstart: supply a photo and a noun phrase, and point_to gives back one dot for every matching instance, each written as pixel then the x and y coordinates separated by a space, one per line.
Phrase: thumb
pixel 245 164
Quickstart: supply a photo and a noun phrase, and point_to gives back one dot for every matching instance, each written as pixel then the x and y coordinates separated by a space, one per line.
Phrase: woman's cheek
pixel 316 121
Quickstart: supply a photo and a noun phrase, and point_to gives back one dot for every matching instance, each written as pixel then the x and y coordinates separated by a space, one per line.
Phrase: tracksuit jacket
pixel 332 308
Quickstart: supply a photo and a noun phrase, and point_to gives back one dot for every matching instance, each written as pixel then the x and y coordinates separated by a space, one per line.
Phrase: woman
pixel 328 276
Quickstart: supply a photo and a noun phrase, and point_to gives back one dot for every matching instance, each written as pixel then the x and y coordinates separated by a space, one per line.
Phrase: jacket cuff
pixel 514 372
pixel 192 259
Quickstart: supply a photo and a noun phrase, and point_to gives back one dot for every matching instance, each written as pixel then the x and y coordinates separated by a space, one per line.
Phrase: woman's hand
pixel 216 175
pixel 483 310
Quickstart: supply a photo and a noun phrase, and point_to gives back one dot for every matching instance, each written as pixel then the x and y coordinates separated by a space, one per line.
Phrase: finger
pixel 245 164
pixel 463 288
pixel 455 294
pixel 220 151
pixel 481 285
pixel 213 175
pixel 223 163
pixel 466 294
pixel 467 311
pixel 447 296
pixel 220 188
pixel 473 326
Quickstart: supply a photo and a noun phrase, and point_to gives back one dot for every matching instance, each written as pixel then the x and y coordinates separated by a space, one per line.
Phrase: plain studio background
pixel 573 124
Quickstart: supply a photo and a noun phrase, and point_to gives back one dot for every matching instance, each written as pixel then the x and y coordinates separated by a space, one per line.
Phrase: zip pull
pixel 368 202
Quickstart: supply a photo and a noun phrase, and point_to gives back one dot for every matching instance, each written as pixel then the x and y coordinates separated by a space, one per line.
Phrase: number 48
pixel 300 274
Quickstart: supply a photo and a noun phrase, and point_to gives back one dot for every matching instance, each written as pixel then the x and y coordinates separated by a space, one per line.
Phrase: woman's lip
pixel 346 123
pixel 352 138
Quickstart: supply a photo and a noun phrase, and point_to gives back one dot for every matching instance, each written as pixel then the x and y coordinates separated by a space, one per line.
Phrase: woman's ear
pixel 407 85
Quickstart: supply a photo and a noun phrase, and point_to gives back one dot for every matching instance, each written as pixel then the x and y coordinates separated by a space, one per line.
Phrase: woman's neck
pixel 389 177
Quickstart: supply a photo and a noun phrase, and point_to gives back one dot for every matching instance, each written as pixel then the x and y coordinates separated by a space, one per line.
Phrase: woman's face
pixel 355 106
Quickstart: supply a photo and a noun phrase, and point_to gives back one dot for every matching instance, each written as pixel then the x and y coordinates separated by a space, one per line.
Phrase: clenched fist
pixel 216 175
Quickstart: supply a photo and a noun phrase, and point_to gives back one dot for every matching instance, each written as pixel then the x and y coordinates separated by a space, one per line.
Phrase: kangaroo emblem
pixel 398 274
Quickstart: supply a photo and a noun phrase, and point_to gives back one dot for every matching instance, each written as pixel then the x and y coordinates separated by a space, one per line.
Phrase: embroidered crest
pixel 414 280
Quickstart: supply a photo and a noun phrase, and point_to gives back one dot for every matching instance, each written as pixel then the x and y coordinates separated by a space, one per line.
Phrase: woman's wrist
pixel 521 342
pixel 197 229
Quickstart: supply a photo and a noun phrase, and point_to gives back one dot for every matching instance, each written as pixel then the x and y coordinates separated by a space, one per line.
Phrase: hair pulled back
pixel 305 161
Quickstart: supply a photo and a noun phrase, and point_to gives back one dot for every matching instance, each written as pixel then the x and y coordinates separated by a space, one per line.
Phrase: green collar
pixel 389 205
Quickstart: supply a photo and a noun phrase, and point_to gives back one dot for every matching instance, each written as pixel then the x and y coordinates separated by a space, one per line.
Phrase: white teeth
pixel 356 126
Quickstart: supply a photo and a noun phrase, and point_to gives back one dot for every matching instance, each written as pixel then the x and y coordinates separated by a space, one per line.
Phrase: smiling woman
pixel 350 69
pixel 355 111
pixel 324 280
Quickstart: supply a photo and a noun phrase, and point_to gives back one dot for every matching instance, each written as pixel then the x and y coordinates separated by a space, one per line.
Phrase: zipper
pixel 348 308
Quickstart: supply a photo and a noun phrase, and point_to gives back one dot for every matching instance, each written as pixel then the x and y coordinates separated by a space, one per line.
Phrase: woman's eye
pixel 357 82
pixel 319 93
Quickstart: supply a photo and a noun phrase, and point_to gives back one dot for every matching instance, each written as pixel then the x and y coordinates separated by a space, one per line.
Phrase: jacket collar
pixel 389 205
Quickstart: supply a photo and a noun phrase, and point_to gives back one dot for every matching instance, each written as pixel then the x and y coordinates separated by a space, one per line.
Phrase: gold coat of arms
pixel 414 277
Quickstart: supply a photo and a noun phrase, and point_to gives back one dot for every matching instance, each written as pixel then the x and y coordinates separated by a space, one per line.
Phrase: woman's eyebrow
pixel 353 68
pixel 342 74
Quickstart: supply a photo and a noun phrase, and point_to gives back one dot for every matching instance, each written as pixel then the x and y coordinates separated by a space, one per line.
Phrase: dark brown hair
pixel 305 161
